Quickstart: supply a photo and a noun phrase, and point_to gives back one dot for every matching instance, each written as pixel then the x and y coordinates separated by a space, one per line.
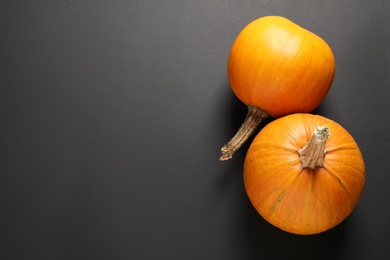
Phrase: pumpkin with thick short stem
pixel 304 173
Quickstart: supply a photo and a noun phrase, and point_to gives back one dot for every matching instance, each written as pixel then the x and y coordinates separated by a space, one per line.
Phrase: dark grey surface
pixel 113 114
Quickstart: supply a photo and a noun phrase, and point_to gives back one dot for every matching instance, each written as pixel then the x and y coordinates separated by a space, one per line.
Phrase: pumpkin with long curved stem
pixel 277 68
pixel 304 173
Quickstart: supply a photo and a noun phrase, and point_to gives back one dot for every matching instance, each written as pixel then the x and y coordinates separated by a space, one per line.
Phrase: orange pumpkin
pixel 304 173
pixel 277 68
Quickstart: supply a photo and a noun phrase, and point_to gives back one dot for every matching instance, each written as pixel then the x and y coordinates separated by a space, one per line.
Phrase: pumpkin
pixel 304 173
pixel 277 68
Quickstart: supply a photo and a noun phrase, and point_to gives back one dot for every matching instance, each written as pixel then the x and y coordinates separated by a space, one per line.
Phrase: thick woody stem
pixel 313 153
pixel 253 119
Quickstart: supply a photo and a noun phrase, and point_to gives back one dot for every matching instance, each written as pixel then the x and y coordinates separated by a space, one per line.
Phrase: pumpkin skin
pixel 280 67
pixel 301 200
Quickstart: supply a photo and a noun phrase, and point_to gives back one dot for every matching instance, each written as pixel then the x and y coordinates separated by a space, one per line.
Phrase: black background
pixel 113 114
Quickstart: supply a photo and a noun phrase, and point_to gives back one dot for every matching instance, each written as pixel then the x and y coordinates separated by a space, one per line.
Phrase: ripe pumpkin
pixel 301 182
pixel 277 68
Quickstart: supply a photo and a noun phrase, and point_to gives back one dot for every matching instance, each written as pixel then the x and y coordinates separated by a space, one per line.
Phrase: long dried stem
pixel 253 119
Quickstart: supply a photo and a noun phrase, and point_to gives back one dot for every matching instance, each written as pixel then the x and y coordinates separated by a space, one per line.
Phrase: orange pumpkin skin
pixel 300 200
pixel 280 67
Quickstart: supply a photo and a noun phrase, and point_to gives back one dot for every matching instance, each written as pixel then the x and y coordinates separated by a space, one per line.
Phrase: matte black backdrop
pixel 113 114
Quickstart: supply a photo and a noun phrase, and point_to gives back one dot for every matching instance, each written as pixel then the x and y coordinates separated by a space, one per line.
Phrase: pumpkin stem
pixel 253 119
pixel 313 153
